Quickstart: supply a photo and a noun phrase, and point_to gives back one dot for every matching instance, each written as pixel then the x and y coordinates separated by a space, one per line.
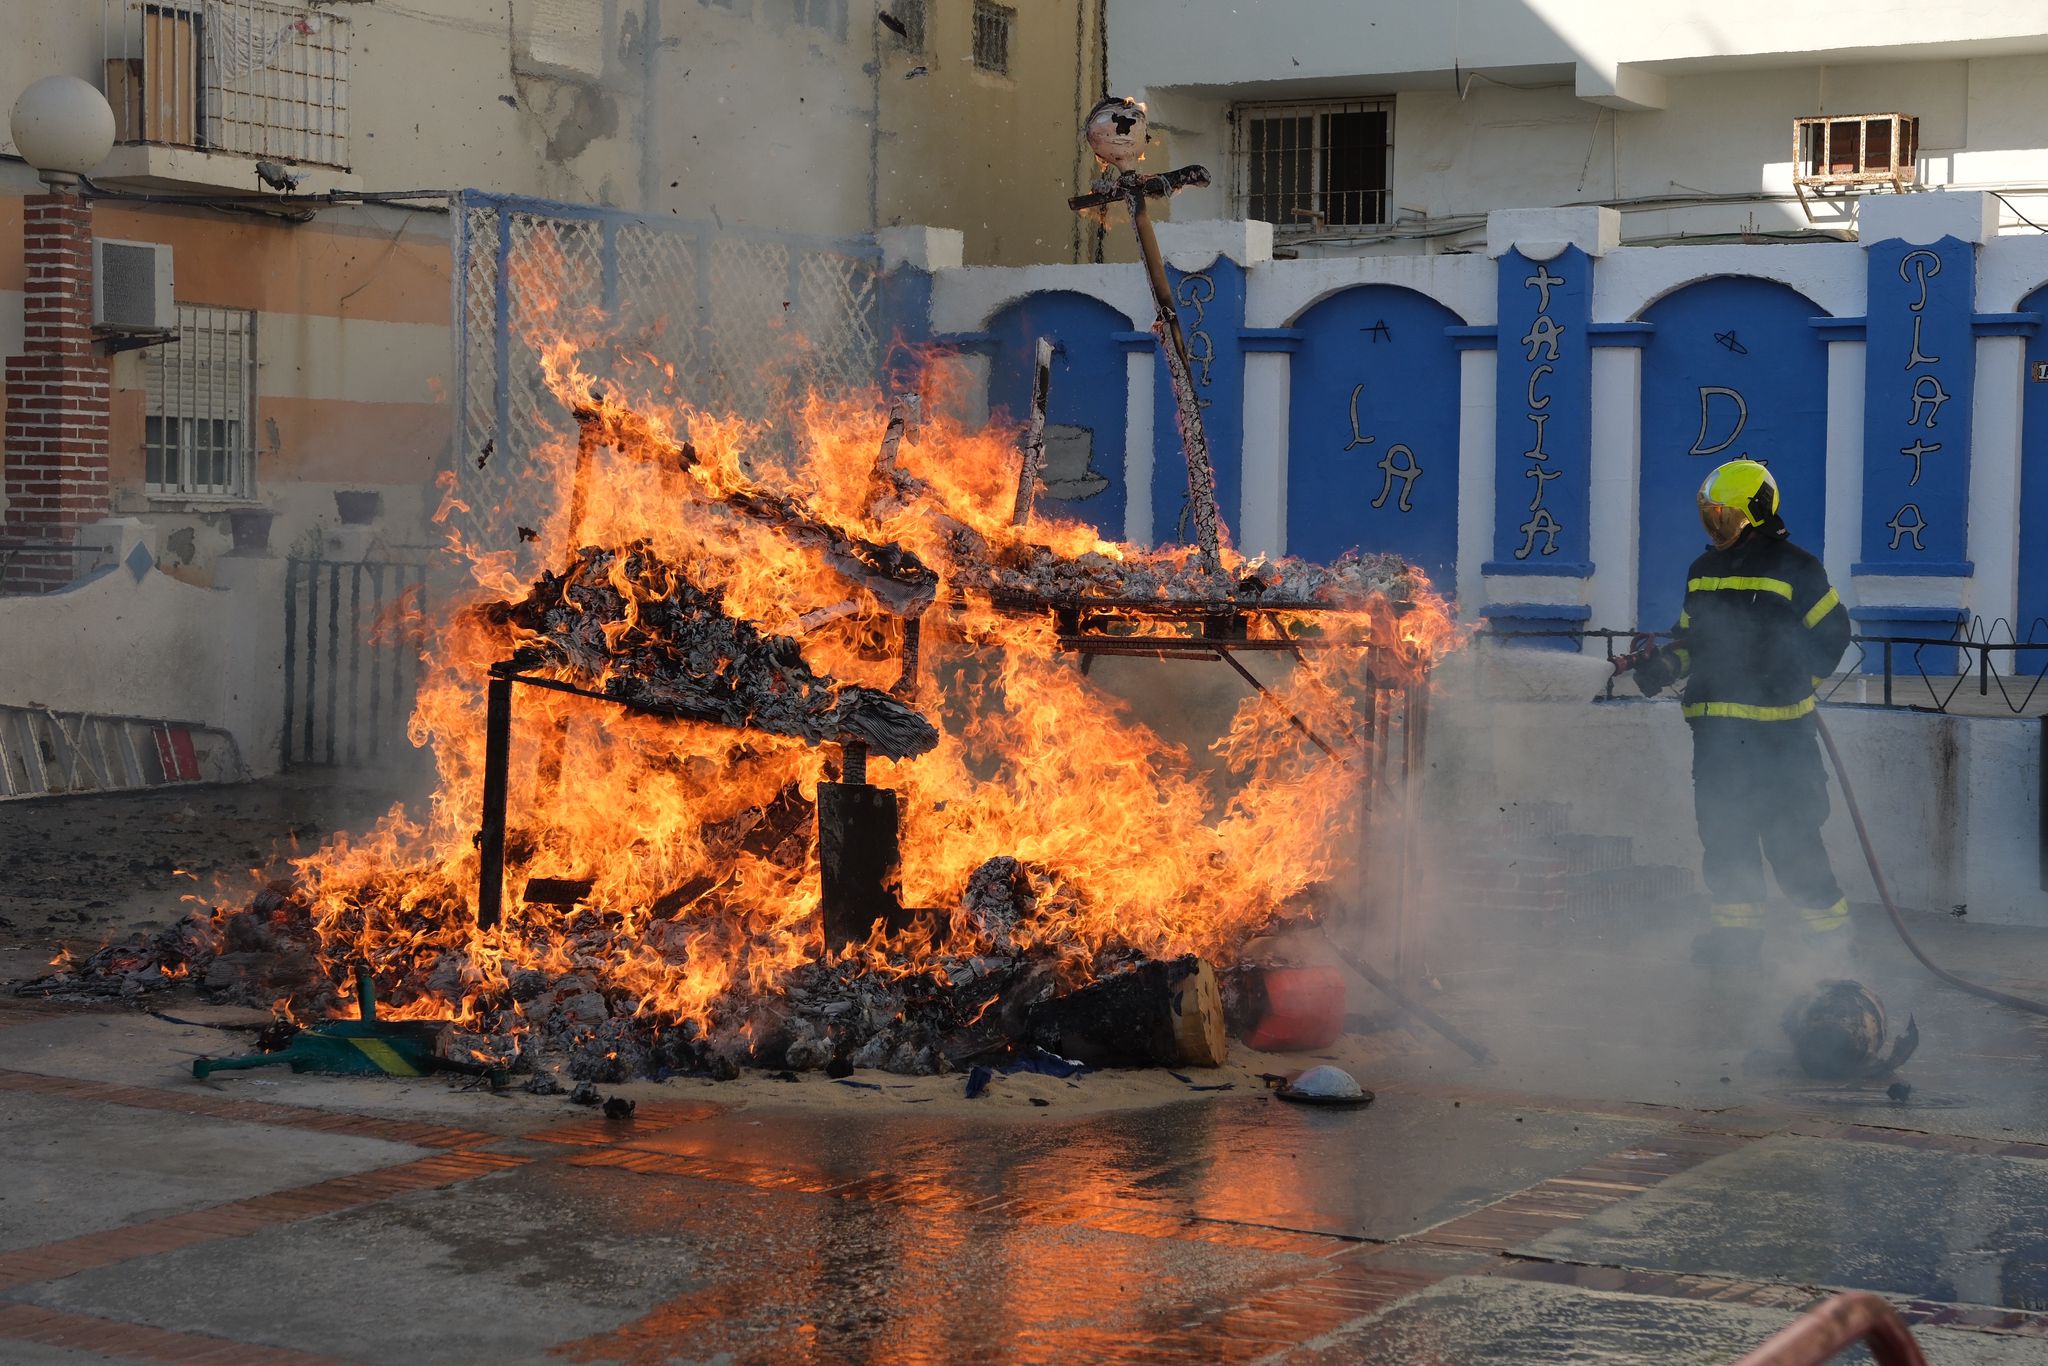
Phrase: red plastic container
pixel 1304 1011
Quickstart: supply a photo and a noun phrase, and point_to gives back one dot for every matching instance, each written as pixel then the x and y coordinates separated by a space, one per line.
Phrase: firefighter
pixel 1761 626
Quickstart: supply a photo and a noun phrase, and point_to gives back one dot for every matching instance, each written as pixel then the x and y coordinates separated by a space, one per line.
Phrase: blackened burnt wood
pixel 858 863
pixel 684 656
pixel 1161 1013
pixel 556 891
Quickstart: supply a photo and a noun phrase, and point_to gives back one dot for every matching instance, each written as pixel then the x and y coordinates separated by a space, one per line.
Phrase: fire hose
pixel 1884 891
pixel 1643 647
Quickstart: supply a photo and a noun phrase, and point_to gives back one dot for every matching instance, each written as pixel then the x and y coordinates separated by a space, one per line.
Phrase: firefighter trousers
pixel 1759 792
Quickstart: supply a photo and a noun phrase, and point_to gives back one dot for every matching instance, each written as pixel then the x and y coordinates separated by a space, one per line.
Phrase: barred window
pixel 911 14
pixel 828 16
pixel 1305 168
pixel 992 36
pixel 248 76
pixel 199 399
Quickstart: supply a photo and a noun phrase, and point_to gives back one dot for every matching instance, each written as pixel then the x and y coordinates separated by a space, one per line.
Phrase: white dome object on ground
pixel 1325 1085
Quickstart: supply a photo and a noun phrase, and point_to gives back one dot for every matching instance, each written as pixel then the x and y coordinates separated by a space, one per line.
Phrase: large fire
pixel 697 840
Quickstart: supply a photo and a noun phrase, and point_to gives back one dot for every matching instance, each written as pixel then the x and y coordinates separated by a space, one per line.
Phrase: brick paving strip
pixel 1561 1201
pixel 139 1342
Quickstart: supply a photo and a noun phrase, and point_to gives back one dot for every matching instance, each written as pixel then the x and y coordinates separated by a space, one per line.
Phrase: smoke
pixel 1550 903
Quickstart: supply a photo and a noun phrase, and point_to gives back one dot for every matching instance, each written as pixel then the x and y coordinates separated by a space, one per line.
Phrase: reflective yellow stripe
pixel 1684 619
pixel 386 1057
pixel 1821 919
pixel 1749 713
pixel 1684 660
pixel 1740 585
pixel 1738 915
pixel 1828 603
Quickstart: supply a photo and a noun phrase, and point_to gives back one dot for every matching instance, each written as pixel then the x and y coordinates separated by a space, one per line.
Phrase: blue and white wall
pixel 1530 423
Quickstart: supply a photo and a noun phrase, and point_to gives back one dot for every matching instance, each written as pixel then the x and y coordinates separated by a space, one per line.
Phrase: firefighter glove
pixel 1655 674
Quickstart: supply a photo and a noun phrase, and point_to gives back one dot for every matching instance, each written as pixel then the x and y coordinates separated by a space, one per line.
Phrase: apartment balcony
pixel 203 89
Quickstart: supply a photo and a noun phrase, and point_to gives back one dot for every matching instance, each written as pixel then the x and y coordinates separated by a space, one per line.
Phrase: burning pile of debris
pixel 753 685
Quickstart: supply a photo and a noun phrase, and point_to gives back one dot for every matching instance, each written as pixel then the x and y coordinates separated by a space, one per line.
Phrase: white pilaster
pixel 1616 485
pixel 1842 524
pixel 1139 367
pixel 1263 512
pixel 1475 476
pixel 1995 419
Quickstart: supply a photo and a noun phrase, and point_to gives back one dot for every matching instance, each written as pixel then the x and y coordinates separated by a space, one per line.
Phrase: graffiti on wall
pixel 1373 429
pixel 1543 400
pixel 1919 366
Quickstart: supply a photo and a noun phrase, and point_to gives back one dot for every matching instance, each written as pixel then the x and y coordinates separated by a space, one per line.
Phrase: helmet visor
pixel 1723 524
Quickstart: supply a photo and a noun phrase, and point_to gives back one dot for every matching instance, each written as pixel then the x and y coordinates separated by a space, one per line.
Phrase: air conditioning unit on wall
pixel 1850 153
pixel 132 287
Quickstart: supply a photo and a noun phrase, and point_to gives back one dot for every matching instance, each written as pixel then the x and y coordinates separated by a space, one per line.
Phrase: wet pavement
pixel 1640 1176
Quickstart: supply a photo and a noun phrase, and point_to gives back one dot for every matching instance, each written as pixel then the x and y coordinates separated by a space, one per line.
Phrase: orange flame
pixel 702 881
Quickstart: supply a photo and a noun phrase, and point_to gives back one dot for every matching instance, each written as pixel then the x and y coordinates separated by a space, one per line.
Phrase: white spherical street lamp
pixel 63 128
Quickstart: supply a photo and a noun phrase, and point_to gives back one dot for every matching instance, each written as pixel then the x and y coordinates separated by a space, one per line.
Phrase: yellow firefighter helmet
pixel 1737 495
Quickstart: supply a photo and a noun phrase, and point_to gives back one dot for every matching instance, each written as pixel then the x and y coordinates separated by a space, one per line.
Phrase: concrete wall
pixel 1952 802
pixel 1679 115
pixel 145 644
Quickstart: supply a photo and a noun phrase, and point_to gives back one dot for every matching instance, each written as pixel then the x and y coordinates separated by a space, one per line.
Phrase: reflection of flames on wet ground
pixel 748 603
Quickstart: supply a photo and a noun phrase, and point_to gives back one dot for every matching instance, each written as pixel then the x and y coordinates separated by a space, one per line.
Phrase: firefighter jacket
pixel 1760 629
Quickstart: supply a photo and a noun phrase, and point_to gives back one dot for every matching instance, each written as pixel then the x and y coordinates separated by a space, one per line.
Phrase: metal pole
pixel 490 891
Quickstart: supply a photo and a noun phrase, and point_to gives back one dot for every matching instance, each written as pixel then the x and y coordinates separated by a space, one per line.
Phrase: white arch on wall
pixel 968 300
pixel 2008 270
pixel 1631 279
pixel 1278 293
pixel 1730 275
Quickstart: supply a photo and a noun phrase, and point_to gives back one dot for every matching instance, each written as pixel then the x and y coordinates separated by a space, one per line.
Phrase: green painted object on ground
pixel 365 1047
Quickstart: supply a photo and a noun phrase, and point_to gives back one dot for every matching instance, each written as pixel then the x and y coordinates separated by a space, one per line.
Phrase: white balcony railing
pixel 241 76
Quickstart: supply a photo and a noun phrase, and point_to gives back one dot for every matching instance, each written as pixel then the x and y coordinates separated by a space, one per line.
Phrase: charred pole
pixel 1034 434
pixel 1116 131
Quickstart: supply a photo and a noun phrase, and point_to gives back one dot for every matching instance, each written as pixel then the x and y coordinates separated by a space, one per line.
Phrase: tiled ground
pixel 175 1222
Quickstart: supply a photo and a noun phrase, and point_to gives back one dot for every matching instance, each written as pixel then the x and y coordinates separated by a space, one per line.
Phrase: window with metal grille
pixel 828 16
pixel 199 397
pixel 992 36
pixel 1306 168
pixel 248 76
pixel 910 14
